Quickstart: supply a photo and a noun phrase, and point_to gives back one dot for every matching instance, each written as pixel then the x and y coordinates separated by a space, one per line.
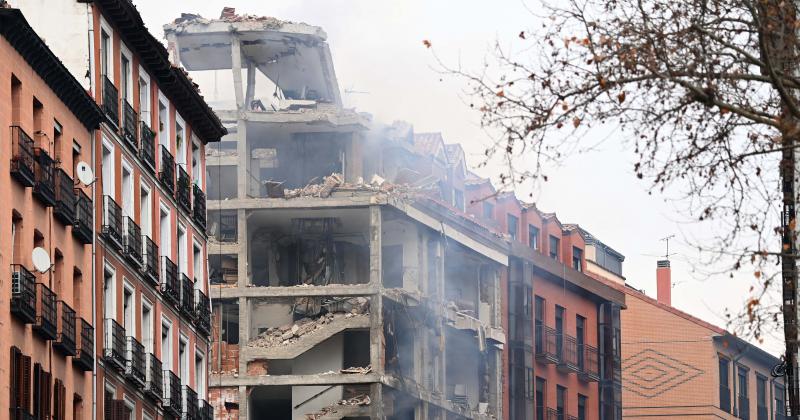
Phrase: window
pixel 724 385
pixel 163 123
pixel 182 253
pixel 165 243
pixel 58 134
pixel 761 398
pixel 127 189
pixel 147 325
pixel 77 286
pixel 533 237
pixel 742 393
pixel 16 99
pixel 183 359
pixel 197 263
pixel 458 199
pixel 128 310
pixel 580 338
pixel 77 406
pixel 109 295
pixel 577 258
pixel 513 226
pixel 559 330
pixel 392 266
pixel 166 344
pixel 58 272
pixel 196 161
pixel 780 402
pixel 541 384
pixel 108 169
pixel 488 210
pixel 146 210
pixel 539 323
pixel 126 87
pixel 529 391
pixel 582 407
pixel 144 97
pixel 555 244
pixel 199 373
pixel 180 141
pixel 561 401
pixel 105 53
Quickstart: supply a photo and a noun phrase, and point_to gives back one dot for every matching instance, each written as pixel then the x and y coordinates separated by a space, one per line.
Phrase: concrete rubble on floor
pixel 335 182
pixel 357 401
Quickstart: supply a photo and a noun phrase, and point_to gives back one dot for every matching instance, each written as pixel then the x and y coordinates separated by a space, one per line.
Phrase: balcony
pixel 206 410
pixel 65 336
pixel 154 378
pixel 23 294
pixel 46 319
pixel 199 208
pixel 171 402
pixel 132 242
pixel 110 101
pixel 21 413
pixel 588 364
pixel 66 199
pixel 84 359
pixel 167 173
pixel 170 286
pixel 147 149
pixel 182 193
pixel 22 166
pixel 202 312
pixel 135 361
pixel 83 229
pixel 150 258
pixel 191 406
pixel 187 296
pixel 114 345
pixel 568 357
pixel 45 187
pixel 129 126
pixel 546 344
pixel 112 222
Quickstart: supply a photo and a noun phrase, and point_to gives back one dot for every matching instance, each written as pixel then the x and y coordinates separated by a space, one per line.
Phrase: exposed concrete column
pixel 440 274
pixel 242 238
pixel 376 310
pixel 244 411
pixel 251 84
pixel 244 332
pixel 243 167
pixel 236 66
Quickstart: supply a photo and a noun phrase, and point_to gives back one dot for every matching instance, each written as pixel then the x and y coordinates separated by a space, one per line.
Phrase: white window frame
pixel 105 27
pixel 180 149
pixel 149 347
pixel 144 77
pixel 186 363
pixel 165 251
pixel 130 199
pixel 201 275
pixel 131 406
pixel 183 251
pixel 166 140
pixel 111 190
pixel 197 179
pixel 110 268
pixel 166 356
pixel 127 286
pixel 125 52
pixel 146 208
pixel 200 382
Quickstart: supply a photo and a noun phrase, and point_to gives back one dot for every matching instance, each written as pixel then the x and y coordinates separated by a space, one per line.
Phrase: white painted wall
pixel 399 232
pixel 326 356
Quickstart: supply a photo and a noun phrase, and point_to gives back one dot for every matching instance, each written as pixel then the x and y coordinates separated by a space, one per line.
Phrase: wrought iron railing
pixel 202 318
pixel 83 229
pixel 65 336
pixel 589 367
pixel 84 358
pixel 46 319
pixel 228 230
pixel 199 208
pixel 23 294
pixel 154 381
pixel 64 209
pixel 545 344
pixel 111 101
pixel 191 405
pixel 187 296
pixel 112 222
pixel 184 190
pixel 129 125
pixel 114 344
pixel 568 357
pixel 147 147
pixel 150 258
pixel 170 285
pixel 171 402
pixel 135 361
pixel 132 242
pixel 44 189
pixel 22 158
pixel 166 174
pixel 206 410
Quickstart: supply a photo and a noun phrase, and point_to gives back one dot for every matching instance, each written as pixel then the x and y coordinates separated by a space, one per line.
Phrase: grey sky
pixel 377 48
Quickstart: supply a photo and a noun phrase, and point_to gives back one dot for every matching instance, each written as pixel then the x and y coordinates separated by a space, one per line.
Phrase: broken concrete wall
pixel 328 356
pixel 225 402
pixel 401 254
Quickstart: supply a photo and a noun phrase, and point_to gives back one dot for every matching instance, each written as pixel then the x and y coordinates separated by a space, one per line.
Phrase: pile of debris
pixel 335 182
pixel 229 15
pixel 357 401
pixel 291 333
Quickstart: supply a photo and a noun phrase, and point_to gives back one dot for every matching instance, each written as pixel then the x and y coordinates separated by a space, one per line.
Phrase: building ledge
pixel 294 380
pixel 228 292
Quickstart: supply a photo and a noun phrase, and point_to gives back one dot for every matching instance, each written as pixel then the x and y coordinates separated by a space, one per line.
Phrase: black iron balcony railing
pixel 83 229
pixel 46 319
pixel 199 208
pixel 171 402
pixel 150 258
pixel 135 361
pixel 184 190
pixel 166 174
pixel 206 410
pixel 21 413
pixel 110 101
pixel 546 344
pixel 191 405
pixel 65 336
pixel 22 158
pixel 64 209
pixel 114 344
pixel 23 294
pixel 132 242
pixel 170 285
pixel 154 381
pixel 202 319
pixel 568 359
pixel 187 296
pixel 112 222
pixel 147 147
pixel 589 367
pixel 129 126
pixel 84 359
pixel 555 414
pixel 45 187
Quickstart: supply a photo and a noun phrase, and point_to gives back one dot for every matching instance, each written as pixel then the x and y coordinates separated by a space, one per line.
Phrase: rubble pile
pixel 357 401
pixel 335 182
pixel 291 333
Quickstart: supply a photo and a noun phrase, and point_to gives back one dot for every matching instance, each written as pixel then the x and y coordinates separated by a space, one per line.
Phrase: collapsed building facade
pixel 347 280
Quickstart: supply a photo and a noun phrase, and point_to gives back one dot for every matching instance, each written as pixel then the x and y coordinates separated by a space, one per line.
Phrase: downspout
pixel 90 42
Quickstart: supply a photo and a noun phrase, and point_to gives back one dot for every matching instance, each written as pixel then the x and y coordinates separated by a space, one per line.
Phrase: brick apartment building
pixel 152 314
pixel 46 316
pixel 676 366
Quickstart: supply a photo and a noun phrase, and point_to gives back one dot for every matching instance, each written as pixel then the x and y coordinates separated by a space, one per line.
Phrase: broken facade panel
pixel 359 292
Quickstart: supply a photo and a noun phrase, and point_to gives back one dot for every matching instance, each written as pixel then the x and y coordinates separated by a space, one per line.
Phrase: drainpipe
pixel 90 44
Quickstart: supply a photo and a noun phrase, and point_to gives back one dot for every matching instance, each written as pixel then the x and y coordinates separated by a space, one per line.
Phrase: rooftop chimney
pixel 664 283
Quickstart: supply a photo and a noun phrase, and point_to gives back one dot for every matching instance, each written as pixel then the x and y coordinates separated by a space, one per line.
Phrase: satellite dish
pixel 85 174
pixel 41 259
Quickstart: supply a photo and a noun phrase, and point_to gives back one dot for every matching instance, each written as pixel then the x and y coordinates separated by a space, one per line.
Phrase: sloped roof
pixel 428 144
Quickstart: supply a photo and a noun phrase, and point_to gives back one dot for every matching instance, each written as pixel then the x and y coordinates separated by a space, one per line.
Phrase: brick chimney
pixel 664 283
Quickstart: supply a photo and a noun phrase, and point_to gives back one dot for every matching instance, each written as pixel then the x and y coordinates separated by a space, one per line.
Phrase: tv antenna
pixel 666 239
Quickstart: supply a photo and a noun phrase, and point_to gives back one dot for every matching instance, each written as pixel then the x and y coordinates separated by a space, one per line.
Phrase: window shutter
pixel 14 383
pixel 120 410
pixel 56 396
pixel 108 406
pixel 37 391
pixel 25 379
pixel 47 394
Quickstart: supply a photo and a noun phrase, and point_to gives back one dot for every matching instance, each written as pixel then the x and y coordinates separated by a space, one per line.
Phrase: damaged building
pixel 347 280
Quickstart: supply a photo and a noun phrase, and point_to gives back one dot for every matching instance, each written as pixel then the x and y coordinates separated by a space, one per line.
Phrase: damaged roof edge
pixel 173 81
pixel 195 24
